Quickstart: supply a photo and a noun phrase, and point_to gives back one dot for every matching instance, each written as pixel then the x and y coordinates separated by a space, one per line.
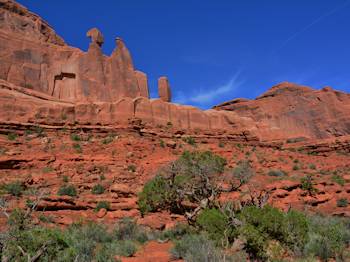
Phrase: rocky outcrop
pixel 164 91
pixel 29 107
pixel 18 21
pixel 34 57
pixel 290 111
pixel 45 81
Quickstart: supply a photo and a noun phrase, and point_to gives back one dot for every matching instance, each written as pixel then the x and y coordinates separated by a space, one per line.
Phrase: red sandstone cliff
pixel 292 111
pixel 45 81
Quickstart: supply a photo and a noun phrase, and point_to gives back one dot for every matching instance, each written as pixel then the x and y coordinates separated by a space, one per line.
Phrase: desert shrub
pixel 154 195
pixel 77 148
pixel 243 171
pixel 12 136
pixel 47 169
pixel 14 188
pixel 342 202
pixel 214 222
pixel 127 229
pixel 307 184
pixel 40 132
pixel 109 139
pixel 194 248
pixel 75 137
pixel 126 248
pixel 190 173
pixel 83 240
pixel 80 242
pixel 328 237
pixel 262 225
pixel 276 173
pixel 46 219
pixel 221 144
pixel 67 190
pixel 295 232
pixel 312 166
pixel 190 140
pixel 178 231
pixel 98 189
pixel 296 167
pixel 256 242
pixel 338 179
pixel 162 143
pixel 103 204
pixel 131 168
pixel 22 233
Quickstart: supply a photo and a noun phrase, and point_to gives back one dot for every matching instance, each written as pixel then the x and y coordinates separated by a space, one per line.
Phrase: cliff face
pixel 34 57
pixel 288 111
pixel 45 81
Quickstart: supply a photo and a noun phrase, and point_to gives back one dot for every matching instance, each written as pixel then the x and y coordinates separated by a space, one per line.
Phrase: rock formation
pixel 290 111
pixel 164 89
pixel 45 81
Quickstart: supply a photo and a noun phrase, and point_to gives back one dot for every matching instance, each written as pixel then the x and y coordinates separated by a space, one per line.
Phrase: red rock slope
pixel 294 112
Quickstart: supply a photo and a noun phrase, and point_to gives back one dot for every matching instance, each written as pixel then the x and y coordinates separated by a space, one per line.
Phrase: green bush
pixel 81 242
pixel 328 237
pixel 243 171
pixel 127 229
pixel 75 137
pixel 264 224
pixel 132 168
pixel 276 173
pixel 192 169
pixel 103 204
pixel 178 231
pixel 77 148
pixel 126 248
pixel 98 189
pixel 84 240
pixel 342 202
pixel 190 140
pixel 296 167
pixel 307 184
pixel 338 179
pixel 214 222
pixel 15 188
pixel 194 248
pixel 162 143
pixel 312 166
pixel 48 169
pixel 12 136
pixel 109 139
pixel 67 190
pixel 256 242
pixel 154 195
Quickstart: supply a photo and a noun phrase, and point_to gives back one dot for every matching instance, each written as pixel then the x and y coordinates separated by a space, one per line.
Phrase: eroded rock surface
pixel 290 111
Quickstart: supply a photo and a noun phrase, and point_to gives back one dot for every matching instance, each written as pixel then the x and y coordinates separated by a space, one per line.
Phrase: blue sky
pixel 214 51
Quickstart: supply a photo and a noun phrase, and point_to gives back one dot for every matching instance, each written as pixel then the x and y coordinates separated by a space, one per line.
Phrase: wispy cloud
pixel 314 22
pixel 204 97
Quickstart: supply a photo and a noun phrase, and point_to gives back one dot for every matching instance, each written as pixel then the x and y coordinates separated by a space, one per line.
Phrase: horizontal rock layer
pixel 290 111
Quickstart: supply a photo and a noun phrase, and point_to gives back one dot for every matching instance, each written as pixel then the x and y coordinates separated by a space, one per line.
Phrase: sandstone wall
pixel 35 57
pixel 20 105
pixel 292 111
